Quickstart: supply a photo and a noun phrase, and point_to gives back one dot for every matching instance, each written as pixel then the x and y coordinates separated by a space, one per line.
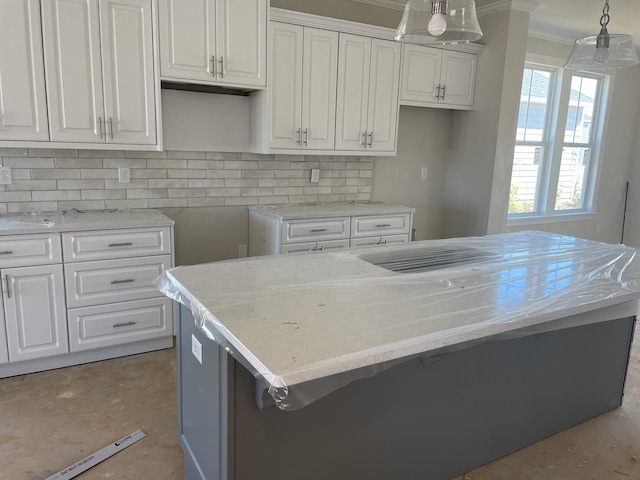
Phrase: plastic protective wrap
pixel 307 324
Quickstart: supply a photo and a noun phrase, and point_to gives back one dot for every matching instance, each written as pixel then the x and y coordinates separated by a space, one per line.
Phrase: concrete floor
pixel 50 420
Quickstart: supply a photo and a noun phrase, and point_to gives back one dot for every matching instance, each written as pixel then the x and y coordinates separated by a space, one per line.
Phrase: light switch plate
pixel 124 175
pixel 196 348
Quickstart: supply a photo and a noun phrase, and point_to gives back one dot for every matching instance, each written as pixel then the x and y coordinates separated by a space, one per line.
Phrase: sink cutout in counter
pixel 425 259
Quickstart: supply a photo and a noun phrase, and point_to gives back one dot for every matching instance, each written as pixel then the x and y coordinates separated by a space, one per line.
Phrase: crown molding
pixel 393 4
pixel 527 6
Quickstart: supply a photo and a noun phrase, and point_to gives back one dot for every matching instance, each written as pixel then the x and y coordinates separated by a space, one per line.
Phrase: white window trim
pixel 603 115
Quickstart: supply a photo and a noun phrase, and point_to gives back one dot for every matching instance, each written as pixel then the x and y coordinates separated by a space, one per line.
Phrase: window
pixel 554 158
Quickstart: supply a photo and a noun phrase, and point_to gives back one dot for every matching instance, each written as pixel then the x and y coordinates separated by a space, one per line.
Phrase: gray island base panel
pixel 428 418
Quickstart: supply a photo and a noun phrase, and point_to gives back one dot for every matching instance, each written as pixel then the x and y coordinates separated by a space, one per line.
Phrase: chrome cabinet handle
pixel 383 225
pixel 123 244
pixel 437 92
pixel 221 67
pixel 126 324
pixel 321 248
pixel 306 136
pixel 212 61
pixel 7 252
pixel 383 242
pixel 370 139
pixel 111 126
pixel 444 88
pixel 364 139
pixel 128 280
pixel 318 230
pixel 8 286
pixel 299 134
pixel 100 126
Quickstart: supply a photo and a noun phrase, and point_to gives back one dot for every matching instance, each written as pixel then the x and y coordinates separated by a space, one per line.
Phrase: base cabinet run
pixel 432 418
pixel 80 296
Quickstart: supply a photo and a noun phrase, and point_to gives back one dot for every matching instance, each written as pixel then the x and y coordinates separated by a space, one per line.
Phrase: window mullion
pixel 559 122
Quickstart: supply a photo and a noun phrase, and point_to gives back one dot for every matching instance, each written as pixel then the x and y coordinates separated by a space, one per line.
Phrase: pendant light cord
pixel 604 20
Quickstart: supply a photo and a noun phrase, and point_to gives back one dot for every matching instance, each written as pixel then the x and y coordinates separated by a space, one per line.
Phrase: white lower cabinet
pixel 277 230
pixel 35 312
pixel 89 300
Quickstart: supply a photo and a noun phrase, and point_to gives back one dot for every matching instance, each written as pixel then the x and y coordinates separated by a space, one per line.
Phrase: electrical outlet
pixel 423 173
pixel 242 251
pixel 5 176
pixel 124 175
pixel 196 348
pixel 315 175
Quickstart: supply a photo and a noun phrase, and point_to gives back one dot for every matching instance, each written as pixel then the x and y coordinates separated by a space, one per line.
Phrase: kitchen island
pixel 411 361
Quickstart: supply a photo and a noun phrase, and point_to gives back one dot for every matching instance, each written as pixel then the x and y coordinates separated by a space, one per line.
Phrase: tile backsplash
pixel 52 179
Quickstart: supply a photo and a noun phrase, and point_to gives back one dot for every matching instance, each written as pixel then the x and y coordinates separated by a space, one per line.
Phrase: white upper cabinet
pixel 435 77
pixel 304 63
pixel 367 104
pixel 214 41
pixel 100 71
pixel 23 111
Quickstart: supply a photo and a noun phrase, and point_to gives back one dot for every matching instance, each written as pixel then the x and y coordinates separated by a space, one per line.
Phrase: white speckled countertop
pixel 314 210
pixel 46 222
pixel 299 318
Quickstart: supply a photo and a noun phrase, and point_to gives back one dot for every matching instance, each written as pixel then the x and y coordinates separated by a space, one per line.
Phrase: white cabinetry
pixel 306 228
pixel 99 59
pixel 83 292
pixel 214 41
pixel 23 110
pixel 302 97
pixel 435 77
pixel 33 297
pixel 367 106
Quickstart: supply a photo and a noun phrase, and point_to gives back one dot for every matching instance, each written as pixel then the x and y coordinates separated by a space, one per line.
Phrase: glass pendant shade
pixel 437 22
pixel 586 55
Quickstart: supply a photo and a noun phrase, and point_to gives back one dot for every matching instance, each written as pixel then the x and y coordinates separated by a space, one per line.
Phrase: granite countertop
pixel 313 210
pixel 298 318
pixel 47 222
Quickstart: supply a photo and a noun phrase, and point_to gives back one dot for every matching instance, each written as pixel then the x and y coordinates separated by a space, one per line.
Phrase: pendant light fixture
pixel 439 22
pixel 604 51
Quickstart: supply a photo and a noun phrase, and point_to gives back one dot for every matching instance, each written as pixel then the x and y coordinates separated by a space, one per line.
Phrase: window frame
pixel 553 142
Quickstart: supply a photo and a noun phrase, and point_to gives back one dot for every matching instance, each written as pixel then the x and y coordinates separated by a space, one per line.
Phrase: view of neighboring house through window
pixel 554 161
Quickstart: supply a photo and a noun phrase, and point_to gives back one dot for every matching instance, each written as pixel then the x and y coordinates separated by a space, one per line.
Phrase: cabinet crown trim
pixel 355 28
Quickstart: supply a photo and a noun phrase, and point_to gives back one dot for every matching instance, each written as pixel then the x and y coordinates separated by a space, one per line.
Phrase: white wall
pixel 423 140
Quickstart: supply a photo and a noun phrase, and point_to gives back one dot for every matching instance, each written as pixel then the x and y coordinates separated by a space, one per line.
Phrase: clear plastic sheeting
pixel 307 324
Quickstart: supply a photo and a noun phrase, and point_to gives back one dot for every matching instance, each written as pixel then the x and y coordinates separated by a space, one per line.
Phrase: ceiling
pixel 562 20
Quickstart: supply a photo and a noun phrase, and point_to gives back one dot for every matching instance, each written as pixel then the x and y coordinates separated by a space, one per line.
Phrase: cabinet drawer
pixel 111 325
pixel 29 250
pixel 82 246
pixel 315 230
pixel 369 226
pixel 107 281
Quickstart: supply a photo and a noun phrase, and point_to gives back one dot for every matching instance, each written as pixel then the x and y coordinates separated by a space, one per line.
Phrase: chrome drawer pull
pixel 318 230
pixel 127 324
pixel 383 225
pixel 123 244
pixel 7 252
pixel 128 280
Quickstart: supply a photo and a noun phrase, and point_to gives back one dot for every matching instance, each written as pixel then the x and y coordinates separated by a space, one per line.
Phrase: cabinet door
pixel 420 74
pixel 382 120
pixel 354 61
pixel 187 39
pixel 35 312
pixel 23 108
pixel 127 58
pixel 71 33
pixel 285 85
pixel 320 70
pixel 242 40
pixel 4 352
pixel 458 77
